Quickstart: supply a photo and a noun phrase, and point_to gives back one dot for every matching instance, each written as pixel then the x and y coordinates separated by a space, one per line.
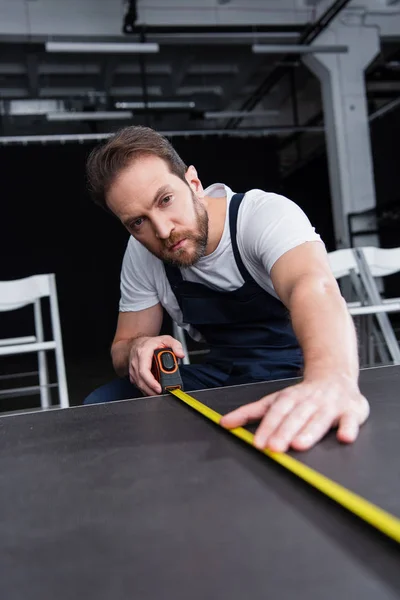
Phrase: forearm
pixel 120 352
pixel 130 327
pixel 324 328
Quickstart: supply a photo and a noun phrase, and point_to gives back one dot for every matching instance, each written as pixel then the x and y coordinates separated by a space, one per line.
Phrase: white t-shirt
pixel 268 226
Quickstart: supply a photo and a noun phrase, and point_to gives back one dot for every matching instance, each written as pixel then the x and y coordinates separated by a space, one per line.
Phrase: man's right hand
pixel 141 357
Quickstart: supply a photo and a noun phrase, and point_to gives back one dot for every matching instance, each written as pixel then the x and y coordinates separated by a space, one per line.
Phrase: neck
pixel 216 209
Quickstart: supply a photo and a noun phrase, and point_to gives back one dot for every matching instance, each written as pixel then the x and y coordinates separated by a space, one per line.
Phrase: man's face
pixel 161 211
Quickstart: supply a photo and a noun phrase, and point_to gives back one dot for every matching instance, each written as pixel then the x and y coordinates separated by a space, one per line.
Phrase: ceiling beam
pixel 297 49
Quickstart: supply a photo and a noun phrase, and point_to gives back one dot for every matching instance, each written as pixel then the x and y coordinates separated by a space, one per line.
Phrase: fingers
pixel 348 428
pixel 319 424
pixel 301 415
pixel 280 439
pixel 247 413
pixel 350 422
pixel 167 340
pixel 141 361
pixel 147 381
pixel 283 406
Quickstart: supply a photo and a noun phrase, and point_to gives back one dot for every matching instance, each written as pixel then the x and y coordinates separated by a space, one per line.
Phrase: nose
pixel 162 228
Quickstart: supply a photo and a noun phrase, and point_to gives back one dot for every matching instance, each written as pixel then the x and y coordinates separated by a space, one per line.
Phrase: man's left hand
pixel 300 415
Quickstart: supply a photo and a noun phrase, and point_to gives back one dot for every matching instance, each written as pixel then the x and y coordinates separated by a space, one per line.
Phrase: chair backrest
pixel 17 293
pixel 381 261
pixel 20 292
pixel 342 262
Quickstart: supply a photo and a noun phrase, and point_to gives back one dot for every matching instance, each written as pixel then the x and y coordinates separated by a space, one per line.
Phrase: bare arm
pixel 135 340
pixel 325 330
pixel 130 326
pixel 328 396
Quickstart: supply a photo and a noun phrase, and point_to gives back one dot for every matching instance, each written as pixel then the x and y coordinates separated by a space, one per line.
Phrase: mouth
pixel 177 246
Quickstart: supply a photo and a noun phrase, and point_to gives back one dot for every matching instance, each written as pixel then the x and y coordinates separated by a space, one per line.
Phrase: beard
pixel 198 240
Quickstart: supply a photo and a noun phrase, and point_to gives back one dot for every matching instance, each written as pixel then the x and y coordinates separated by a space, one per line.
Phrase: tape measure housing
pixel 166 370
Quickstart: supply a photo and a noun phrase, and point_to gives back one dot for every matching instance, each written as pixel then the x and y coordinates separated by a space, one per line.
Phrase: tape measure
pixel 382 520
pixel 165 369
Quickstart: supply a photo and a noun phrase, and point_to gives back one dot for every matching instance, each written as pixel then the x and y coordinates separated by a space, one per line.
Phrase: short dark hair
pixel 108 159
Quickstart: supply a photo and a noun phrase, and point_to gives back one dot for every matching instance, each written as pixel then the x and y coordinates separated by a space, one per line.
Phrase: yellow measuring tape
pixel 372 514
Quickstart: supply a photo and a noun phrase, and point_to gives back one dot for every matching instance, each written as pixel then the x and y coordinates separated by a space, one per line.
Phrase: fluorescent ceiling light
pixel 232 114
pixel 89 116
pixel 156 105
pixel 26 107
pixel 102 47
pixel 384 109
pixel 297 49
pixel 81 137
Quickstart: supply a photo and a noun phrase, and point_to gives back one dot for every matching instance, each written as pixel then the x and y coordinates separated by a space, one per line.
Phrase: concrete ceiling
pixel 213 71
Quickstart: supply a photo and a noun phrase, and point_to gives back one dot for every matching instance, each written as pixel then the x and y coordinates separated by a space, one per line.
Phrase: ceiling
pixel 213 70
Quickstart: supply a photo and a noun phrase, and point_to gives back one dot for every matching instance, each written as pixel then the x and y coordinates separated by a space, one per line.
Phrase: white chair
pixel 381 261
pixel 179 334
pixel 15 294
pixel 365 266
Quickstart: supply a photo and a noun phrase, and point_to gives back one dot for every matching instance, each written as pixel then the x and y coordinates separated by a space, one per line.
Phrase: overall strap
pixel 233 215
pixel 173 274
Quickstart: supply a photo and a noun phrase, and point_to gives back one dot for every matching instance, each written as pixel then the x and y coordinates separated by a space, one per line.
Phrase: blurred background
pixel 298 97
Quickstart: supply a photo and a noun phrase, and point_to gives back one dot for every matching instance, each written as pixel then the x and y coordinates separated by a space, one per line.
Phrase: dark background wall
pixel 385 133
pixel 48 224
pixel 309 188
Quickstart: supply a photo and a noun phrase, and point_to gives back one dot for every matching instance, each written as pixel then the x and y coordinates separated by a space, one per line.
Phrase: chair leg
pixel 375 298
pixel 42 359
pixel 179 334
pixel 60 364
pixel 43 380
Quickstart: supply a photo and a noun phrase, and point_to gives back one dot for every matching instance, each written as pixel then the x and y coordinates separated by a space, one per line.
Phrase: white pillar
pixel 346 123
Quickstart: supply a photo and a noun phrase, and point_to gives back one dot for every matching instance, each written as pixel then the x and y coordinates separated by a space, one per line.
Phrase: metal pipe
pixel 273 78
pixel 384 109
pixel 227 114
pixel 297 49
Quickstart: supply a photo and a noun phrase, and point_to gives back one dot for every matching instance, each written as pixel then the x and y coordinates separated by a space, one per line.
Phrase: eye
pixel 166 200
pixel 137 223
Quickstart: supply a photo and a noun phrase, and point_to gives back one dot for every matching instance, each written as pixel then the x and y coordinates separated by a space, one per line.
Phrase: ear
pixel 194 181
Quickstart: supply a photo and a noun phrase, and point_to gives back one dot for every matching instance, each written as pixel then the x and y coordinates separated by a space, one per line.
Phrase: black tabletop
pixel 147 499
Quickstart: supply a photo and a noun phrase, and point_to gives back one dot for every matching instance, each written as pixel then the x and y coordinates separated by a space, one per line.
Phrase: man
pixel 238 271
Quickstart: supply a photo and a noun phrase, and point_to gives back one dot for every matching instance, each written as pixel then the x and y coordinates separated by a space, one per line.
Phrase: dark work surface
pixel 147 499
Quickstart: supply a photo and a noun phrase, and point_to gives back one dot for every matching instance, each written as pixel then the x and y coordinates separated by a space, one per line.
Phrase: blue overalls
pixel 248 332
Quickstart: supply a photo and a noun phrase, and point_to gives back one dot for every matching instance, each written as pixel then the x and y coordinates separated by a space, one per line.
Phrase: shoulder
pixel 269 225
pixel 265 211
pixel 262 202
